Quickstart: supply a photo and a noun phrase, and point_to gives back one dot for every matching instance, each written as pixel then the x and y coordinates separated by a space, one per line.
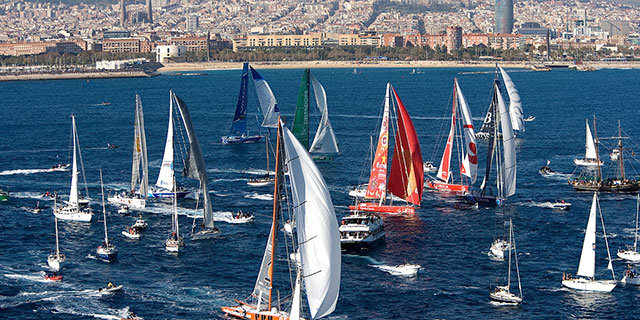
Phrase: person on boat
pixel 110 285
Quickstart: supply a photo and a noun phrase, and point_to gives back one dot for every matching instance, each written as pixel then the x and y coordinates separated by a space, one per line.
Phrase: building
pixel 28 48
pixel 453 39
pixel 504 16
pixel 191 43
pixel 121 45
pixel 193 23
pixel 170 53
pixel 123 14
pixel 113 34
pixel 149 12
pixel 278 40
pixel 533 29
pixel 615 28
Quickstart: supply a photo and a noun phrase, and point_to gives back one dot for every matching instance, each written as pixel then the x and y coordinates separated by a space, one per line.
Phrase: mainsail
pixel 588 257
pixel 325 140
pixel 444 171
pixel 317 229
pixel 239 124
pixel 377 187
pixel 301 121
pixel 139 153
pixel 470 162
pixel 590 148
pixel 195 167
pixel 165 177
pixel 508 152
pixel 515 105
pixel 267 101
pixel 406 179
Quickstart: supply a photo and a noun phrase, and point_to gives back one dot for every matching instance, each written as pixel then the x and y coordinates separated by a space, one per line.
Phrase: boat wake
pixel 38 278
pixel 400 270
pixel 546 204
pixel 258 196
pixel 28 171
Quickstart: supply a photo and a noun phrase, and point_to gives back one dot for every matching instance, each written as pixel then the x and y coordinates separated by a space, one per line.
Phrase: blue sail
pixel 239 124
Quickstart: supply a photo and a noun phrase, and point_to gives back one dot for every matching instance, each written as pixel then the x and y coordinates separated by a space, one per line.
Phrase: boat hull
pixel 55 262
pixel 631 280
pixel 246 312
pixel 73 214
pixel 106 255
pixel 381 208
pixel 168 194
pixel 590 285
pixel 131 202
pixel 505 297
pixel 629 255
pixel 130 235
pixel 240 139
pixel 205 234
pixel 621 187
pixel 586 162
pixel 446 187
pixel 484 200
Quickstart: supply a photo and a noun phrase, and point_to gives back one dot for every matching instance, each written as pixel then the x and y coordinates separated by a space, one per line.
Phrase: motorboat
pixel 132 316
pixel 429 167
pixel 53 277
pixel 361 230
pixel 498 247
pixel 50 196
pixel 140 224
pixel 242 217
pixel 132 233
pixel 561 205
pixel 124 199
pixel 631 276
pixel 261 182
pixel 124 210
pixel 529 118
pixel 408 268
pixel 110 288
pixel 60 167
pixel 546 169
pixel 112 146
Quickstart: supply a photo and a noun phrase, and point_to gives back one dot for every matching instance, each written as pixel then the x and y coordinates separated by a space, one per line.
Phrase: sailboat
pixel 77 208
pixel 585 279
pixel 631 253
pixel 139 166
pixel 468 159
pixel 324 144
pixel 504 152
pixel 56 258
pixel 270 114
pixel 106 252
pixel 515 109
pixel 195 168
pixel 239 132
pixel 406 178
pixel 503 293
pixel 590 151
pixel 164 187
pixel 315 260
pixel 175 240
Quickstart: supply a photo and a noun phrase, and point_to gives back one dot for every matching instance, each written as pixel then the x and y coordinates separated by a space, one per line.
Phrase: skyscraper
pixel 504 16
pixel 149 12
pixel 123 14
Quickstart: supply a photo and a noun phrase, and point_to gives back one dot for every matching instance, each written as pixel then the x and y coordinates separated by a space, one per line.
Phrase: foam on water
pixel 258 196
pixel 28 171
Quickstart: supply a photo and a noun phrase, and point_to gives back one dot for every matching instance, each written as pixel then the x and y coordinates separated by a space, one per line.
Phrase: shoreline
pixel 71 75
pixel 204 66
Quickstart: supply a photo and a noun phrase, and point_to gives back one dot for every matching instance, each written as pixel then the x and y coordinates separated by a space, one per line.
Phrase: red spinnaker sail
pixel 377 180
pixel 407 177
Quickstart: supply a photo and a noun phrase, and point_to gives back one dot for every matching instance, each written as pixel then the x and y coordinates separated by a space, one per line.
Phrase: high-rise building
pixel 504 16
pixel 149 12
pixel 193 23
pixel 123 14
pixel 454 39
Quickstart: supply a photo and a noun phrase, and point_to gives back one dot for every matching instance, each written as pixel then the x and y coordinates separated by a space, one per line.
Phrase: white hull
pixel 590 285
pixel 586 162
pixel 54 263
pixel 129 235
pixel 505 297
pixel 73 214
pixel 131 202
pixel 634 280
pixel 498 248
pixel 205 234
pixel 629 255
pixel 173 245
pixel 110 290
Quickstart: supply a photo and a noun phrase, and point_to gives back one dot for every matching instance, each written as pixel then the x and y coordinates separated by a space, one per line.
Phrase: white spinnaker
pixel 317 229
pixel 470 162
pixel 165 177
pixel 587 265
pixel 590 148
pixel 508 149
pixel 515 105
pixel 267 101
pixel 325 140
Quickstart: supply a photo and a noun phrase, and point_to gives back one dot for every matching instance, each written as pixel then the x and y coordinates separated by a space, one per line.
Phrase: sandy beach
pixel 186 66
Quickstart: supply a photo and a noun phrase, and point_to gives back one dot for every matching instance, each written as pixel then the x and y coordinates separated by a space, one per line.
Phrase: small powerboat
pixel 110 288
pixel 242 217
pixel 140 224
pixel 53 277
pixel 132 233
pixel 124 210
pixel 529 118
pixel 546 170
pixel 60 167
pixel 429 167
pixel 132 316
pixel 261 182
pixel 408 268
pixel 631 276
pixel 50 196
pixel 36 209
pixel 561 205
pixel 112 146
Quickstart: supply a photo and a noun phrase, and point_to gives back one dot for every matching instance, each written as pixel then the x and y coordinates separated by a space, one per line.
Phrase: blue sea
pixel 450 242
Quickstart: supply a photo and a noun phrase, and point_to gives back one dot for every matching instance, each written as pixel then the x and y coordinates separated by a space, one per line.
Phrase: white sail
pixel 588 257
pixel 294 314
pixel 139 153
pixel 515 106
pixel 165 177
pixel 267 101
pixel 470 162
pixel 590 147
pixel 325 140
pixel 73 194
pixel 317 229
pixel 509 149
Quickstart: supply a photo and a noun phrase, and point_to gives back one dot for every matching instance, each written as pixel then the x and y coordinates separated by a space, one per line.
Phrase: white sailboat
pixel 164 187
pixel 106 252
pixel 590 156
pixel 515 105
pixel 503 294
pixel 585 279
pixel 315 260
pixel 55 259
pixel 139 167
pixel 77 208
pixel 631 253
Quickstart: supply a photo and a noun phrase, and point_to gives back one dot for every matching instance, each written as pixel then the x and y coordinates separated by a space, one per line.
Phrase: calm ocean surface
pixel 450 243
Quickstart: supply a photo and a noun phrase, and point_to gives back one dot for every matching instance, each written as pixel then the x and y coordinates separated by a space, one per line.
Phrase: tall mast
pixel 597 141
pixel 58 246
pixel 388 110
pixel 510 248
pixel 635 242
pixel 620 161
pixel 276 210
pixel 104 211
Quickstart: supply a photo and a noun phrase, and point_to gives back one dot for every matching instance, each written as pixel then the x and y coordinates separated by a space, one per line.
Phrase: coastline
pixel 202 66
pixel 71 75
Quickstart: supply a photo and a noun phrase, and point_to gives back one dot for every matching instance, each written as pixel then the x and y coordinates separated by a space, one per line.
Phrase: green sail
pixel 301 122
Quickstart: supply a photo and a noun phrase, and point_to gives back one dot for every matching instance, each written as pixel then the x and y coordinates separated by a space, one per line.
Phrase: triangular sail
pixel 139 152
pixel 470 162
pixel 406 179
pixel 489 125
pixel 73 194
pixel 165 177
pixel 301 121
pixel 588 257
pixel 317 229
pixel 590 147
pixel 239 124
pixel 325 140
pixel 509 150
pixel 444 171
pixel 267 101
pixel 196 168
pixel 377 188
pixel 515 105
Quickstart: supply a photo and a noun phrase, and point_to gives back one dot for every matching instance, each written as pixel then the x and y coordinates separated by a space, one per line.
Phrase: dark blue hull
pixel 240 139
